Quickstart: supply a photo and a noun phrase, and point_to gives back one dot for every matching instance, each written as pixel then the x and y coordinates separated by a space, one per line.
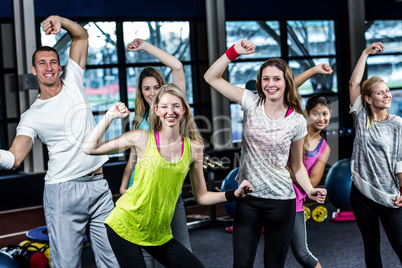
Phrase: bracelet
pixel 230 195
pixel 232 54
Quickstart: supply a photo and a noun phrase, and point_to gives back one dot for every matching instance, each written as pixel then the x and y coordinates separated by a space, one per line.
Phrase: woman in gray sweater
pixel 376 161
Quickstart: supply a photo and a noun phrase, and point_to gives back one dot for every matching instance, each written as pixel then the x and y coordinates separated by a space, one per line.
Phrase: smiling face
pixel 170 110
pixel 273 83
pixel 47 68
pixel 318 117
pixel 380 98
pixel 149 88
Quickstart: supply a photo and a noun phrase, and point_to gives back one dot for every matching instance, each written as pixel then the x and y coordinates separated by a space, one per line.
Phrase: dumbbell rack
pixel 210 165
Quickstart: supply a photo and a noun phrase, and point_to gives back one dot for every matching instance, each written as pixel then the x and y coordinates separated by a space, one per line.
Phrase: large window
pixel 111 76
pixel 173 37
pixel 303 44
pixel 101 81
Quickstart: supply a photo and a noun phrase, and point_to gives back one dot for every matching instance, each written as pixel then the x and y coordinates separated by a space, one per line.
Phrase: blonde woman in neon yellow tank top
pixel 149 82
pixel 171 148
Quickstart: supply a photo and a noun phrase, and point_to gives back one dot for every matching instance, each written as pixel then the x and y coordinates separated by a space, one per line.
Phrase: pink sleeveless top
pixel 310 162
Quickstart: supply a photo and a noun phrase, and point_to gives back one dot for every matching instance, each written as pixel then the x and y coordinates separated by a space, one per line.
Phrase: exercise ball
pixel 229 183
pixel 338 184
pixel 7 261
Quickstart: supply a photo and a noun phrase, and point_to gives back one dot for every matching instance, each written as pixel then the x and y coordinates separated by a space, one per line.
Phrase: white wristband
pixel 6 159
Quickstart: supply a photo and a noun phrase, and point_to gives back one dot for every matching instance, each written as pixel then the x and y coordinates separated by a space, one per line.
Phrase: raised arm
pixel 174 64
pixel 322 68
pixel 198 185
pixel 20 148
pixel 358 72
pixel 300 173
pixel 94 144
pixel 213 76
pixel 78 35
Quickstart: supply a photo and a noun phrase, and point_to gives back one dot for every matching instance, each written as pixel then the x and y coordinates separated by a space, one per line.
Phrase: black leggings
pixel 367 214
pixel 170 254
pixel 251 214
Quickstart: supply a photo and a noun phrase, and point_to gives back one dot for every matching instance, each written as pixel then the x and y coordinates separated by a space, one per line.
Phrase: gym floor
pixel 335 244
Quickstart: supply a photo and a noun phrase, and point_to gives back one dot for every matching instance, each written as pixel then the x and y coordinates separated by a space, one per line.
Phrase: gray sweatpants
pixel 71 209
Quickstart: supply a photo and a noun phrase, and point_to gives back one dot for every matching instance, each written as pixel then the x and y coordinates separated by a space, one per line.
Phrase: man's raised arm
pixel 79 37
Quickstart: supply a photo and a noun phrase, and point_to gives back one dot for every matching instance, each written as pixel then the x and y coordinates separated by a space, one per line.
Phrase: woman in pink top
pixel 315 156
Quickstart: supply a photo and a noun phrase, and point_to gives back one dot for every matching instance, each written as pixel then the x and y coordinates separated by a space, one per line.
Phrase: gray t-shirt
pixel 377 156
pixel 265 149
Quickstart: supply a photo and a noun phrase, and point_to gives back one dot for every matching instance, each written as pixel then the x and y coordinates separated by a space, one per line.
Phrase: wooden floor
pixel 14 224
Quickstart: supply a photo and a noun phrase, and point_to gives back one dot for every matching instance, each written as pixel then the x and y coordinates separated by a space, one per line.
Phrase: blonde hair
pixel 292 96
pixel 188 128
pixel 141 105
pixel 367 89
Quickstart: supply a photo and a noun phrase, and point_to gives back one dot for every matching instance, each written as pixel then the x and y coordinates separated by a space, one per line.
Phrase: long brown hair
pixel 188 128
pixel 292 96
pixel 367 89
pixel 141 105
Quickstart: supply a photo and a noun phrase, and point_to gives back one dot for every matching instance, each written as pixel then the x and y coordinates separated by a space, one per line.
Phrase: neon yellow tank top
pixel 144 213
